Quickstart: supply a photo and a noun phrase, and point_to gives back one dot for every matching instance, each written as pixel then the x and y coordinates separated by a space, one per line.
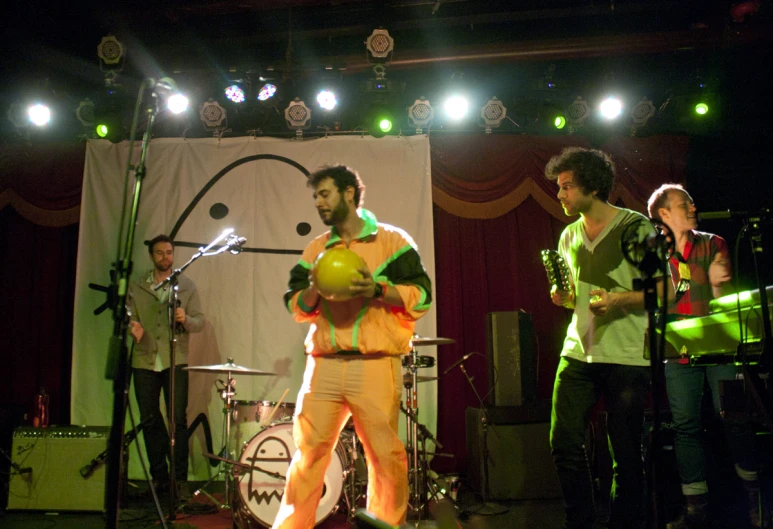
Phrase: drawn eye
pixel 218 211
pixel 303 228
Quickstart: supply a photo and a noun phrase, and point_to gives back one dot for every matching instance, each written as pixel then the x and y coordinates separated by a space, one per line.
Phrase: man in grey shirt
pixel 151 360
pixel 603 353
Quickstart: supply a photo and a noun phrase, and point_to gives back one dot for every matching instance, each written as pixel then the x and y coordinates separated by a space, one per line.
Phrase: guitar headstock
pixel 558 272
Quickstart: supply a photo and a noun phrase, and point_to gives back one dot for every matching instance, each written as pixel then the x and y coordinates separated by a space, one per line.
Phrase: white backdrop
pixel 193 190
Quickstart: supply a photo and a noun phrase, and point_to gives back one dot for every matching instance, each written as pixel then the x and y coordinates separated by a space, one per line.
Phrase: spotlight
pixel 102 130
pixel 642 112
pixel 177 103
pixel 297 115
pixel 85 112
pixel 421 114
pixel 235 93
pixel 456 107
pixel 493 113
pixel 577 112
pixel 267 92
pixel 559 122
pixel 212 115
pixel 702 109
pixel 380 44
pixel 327 99
pixel 611 108
pixel 380 121
pixel 39 114
pixel 110 52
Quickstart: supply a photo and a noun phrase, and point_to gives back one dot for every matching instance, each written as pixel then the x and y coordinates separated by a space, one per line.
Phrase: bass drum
pixel 257 495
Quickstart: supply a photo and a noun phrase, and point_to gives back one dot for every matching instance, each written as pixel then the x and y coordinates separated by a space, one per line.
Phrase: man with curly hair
pixel 603 352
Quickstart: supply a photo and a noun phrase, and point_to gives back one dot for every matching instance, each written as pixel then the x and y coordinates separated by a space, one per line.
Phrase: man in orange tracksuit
pixel 353 347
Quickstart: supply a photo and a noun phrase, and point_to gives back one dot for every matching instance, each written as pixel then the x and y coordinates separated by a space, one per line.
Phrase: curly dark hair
pixel 157 239
pixel 343 176
pixel 660 199
pixel 593 169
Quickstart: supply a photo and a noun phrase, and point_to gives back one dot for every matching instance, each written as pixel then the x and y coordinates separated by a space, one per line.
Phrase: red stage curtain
pixel 39 211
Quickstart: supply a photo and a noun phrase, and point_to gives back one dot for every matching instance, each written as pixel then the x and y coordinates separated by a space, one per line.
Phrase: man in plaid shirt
pixel 700 271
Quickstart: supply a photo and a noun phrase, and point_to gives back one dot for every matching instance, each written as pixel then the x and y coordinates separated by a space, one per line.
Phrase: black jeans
pixel 577 389
pixel 147 389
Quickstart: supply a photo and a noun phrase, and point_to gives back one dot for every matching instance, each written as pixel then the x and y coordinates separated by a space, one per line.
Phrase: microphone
pixel 234 244
pixel 458 363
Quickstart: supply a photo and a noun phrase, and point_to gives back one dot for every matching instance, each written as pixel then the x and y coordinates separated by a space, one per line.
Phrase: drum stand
pixel 420 487
pixel 226 393
pixel 353 489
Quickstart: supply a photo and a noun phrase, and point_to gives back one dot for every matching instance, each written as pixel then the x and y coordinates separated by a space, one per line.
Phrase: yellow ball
pixel 333 272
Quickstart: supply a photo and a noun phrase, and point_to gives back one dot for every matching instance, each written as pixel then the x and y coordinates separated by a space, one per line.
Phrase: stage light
pixel 421 114
pixel 212 115
pixel 177 103
pixel 39 114
pixel 380 44
pixel 456 107
pixel 577 112
pixel 102 130
pixel 642 112
pixel 110 52
pixel 267 92
pixel 493 113
pixel 297 115
pixel 327 99
pixel 85 112
pixel 380 120
pixel 559 122
pixel 702 109
pixel 235 93
pixel 611 108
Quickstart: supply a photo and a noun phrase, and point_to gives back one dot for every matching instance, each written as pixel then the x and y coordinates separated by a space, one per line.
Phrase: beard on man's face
pixel 338 215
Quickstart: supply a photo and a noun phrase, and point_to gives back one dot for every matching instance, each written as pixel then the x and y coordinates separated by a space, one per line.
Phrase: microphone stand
pixel 116 368
pixel 172 301
pixel 488 508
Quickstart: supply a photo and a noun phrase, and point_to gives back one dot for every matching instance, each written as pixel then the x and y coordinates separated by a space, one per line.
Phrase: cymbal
pixel 419 341
pixel 229 367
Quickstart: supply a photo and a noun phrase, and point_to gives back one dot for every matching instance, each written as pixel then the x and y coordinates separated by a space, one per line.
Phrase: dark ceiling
pixel 658 49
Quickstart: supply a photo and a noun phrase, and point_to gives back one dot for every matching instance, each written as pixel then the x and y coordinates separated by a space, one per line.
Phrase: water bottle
pixel 40 417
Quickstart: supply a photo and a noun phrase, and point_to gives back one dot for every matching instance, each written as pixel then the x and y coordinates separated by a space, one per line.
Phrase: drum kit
pixel 259 446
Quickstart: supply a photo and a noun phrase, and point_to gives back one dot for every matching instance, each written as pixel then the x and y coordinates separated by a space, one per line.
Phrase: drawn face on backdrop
pixel 211 206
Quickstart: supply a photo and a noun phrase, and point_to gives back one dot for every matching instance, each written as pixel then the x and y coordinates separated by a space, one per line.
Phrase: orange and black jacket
pixel 363 325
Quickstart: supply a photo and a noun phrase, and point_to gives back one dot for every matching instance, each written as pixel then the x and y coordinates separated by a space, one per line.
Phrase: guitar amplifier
pixel 50 460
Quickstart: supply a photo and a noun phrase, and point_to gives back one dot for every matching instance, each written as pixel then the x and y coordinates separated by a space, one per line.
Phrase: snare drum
pixel 248 417
pixel 257 495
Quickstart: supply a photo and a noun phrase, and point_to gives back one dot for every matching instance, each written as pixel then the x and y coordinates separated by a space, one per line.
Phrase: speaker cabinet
pixel 52 459
pixel 511 350
pixel 519 462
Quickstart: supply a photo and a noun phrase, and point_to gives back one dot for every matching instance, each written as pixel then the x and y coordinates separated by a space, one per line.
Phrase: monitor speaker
pixel 512 358
pixel 47 469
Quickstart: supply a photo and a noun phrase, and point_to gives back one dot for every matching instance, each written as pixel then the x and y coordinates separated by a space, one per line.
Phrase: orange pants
pixel 369 387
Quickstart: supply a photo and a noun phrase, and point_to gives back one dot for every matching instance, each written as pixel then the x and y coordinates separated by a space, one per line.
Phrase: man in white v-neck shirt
pixel 603 353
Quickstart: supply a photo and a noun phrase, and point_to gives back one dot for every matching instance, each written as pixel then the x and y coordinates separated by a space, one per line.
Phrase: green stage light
pixel 380 121
pixel 702 109
pixel 559 122
pixel 385 124
pixel 102 130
